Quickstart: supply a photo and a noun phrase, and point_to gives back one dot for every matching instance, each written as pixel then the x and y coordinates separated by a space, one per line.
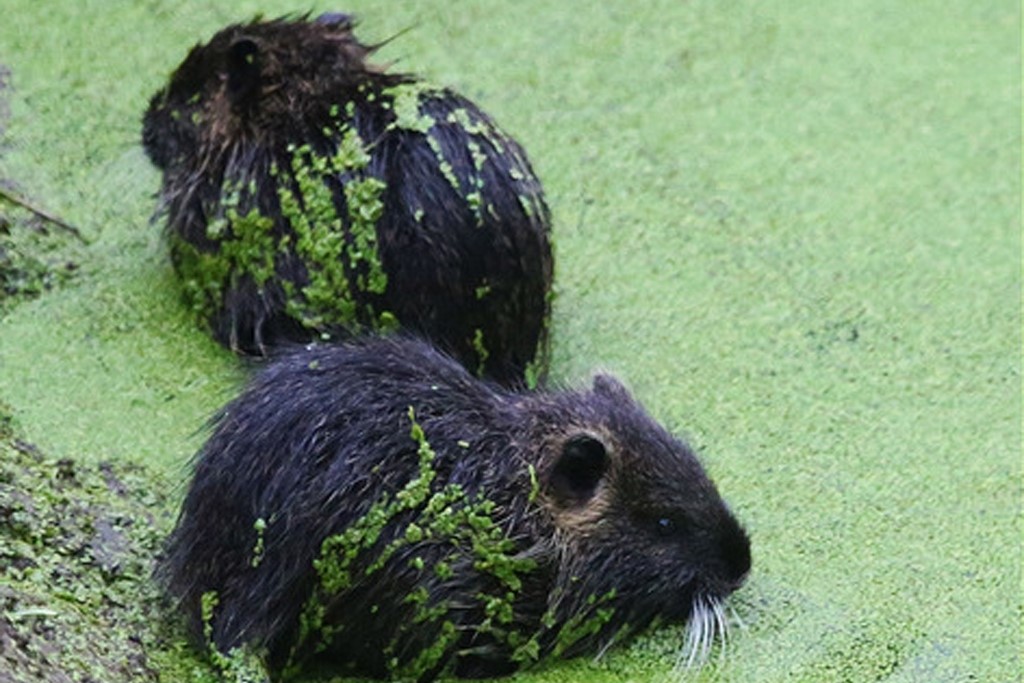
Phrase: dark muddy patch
pixel 34 258
pixel 77 544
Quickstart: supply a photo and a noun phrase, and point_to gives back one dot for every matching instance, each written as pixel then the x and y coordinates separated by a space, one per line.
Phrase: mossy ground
pixel 35 255
pixel 795 228
pixel 77 542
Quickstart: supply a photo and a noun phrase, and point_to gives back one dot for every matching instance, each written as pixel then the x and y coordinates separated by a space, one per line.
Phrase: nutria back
pixel 310 194
pixel 374 504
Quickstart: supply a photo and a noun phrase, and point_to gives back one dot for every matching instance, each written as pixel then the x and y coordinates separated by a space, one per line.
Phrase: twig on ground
pixel 11 197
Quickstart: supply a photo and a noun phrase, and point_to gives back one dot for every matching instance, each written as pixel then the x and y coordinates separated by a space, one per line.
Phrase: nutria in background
pixel 374 504
pixel 310 194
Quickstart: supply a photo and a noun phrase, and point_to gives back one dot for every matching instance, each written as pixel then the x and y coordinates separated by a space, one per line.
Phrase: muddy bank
pixel 77 544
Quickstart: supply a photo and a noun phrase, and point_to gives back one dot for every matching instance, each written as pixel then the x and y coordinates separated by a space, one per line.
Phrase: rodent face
pixel 171 124
pixel 646 532
pixel 249 75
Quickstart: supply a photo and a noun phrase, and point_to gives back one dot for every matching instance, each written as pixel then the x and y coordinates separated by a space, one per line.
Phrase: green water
pixel 793 228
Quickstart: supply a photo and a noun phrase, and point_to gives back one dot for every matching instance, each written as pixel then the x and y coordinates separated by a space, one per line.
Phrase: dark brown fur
pixel 459 229
pixel 577 519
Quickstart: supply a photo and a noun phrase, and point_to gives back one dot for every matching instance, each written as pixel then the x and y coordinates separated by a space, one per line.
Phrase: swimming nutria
pixel 375 504
pixel 309 193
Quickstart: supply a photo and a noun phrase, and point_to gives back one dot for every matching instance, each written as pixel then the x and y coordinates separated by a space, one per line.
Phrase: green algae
pixel 259 526
pixel 252 249
pixel 443 165
pixel 535 370
pixel 207 606
pixel 534 484
pixel 339 255
pixel 405 101
pixel 723 179
pixel 202 274
pixel 482 353
pixel 309 212
pixel 338 552
pixel 464 522
pixel 585 623
pixel 245 250
pixel 365 207
pixel 239 665
pixel 77 544
pixel 320 234
pixel 34 258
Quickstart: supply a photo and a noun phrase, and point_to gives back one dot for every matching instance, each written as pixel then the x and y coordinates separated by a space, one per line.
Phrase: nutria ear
pixel 606 385
pixel 243 63
pixel 578 470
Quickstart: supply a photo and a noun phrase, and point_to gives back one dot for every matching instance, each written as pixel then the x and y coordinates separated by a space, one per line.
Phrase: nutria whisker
pixel 722 628
pixel 735 617
pixel 603 649
pixel 699 634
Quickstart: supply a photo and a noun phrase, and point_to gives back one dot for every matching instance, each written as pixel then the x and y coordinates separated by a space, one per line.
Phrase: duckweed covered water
pixel 794 228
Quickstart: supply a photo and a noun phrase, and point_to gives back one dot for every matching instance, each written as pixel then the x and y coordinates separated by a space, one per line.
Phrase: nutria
pixel 310 193
pixel 375 504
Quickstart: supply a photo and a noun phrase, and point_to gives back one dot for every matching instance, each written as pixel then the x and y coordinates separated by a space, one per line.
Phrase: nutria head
pixel 641 530
pixel 254 79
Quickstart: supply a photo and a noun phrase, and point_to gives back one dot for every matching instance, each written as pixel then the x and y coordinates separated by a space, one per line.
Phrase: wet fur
pixel 230 111
pixel 322 433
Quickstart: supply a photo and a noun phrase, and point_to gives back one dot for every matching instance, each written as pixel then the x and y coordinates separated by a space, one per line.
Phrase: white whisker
pixel 723 630
pixel 697 643
pixel 604 648
pixel 698 651
pixel 709 634
pixel 693 633
pixel 708 621
pixel 735 617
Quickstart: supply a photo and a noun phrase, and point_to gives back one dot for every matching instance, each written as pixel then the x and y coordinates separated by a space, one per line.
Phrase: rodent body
pixel 311 194
pixel 375 504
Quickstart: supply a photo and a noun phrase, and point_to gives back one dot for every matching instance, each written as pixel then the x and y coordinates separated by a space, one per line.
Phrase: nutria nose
pixel 735 554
